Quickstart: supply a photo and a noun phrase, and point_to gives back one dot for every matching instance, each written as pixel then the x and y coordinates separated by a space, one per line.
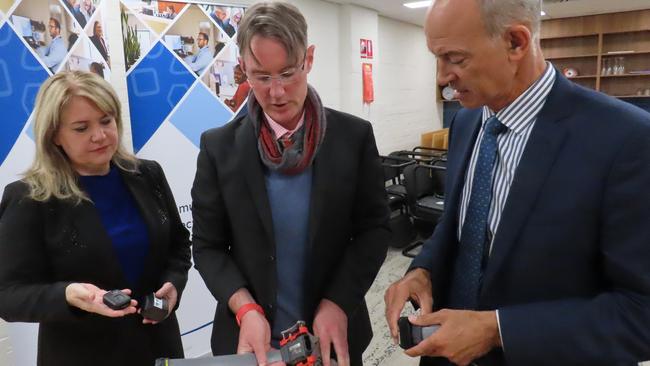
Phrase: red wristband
pixel 245 309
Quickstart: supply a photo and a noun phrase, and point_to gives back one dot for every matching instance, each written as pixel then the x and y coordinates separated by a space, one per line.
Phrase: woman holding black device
pixel 86 218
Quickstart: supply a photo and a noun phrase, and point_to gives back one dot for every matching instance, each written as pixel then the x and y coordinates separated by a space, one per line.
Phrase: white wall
pixel 403 71
pixel 323 29
pixel 405 104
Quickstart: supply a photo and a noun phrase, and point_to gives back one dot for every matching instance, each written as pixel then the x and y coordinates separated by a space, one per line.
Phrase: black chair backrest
pixel 424 180
pixel 394 166
pixel 420 157
pixel 440 162
pixel 439 175
pixel 432 150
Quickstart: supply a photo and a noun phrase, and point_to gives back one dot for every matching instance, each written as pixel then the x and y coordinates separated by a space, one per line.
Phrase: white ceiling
pixel 554 9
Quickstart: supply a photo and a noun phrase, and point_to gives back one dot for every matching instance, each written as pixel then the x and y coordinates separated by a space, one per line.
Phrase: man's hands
pixel 463 335
pixel 254 336
pixel 416 285
pixel 255 331
pixel 168 292
pixel 331 327
pixel 90 298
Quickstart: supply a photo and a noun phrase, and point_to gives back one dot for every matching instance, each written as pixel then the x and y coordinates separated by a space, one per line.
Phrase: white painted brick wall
pixel 405 87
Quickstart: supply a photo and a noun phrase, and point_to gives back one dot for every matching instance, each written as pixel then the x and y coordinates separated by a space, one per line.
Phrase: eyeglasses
pixel 285 78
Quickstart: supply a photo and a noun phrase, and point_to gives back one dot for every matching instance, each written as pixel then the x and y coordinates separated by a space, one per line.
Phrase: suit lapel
pixel 246 149
pixel 322 171
pixel 539 156
pixel 145 196
pixel 467 132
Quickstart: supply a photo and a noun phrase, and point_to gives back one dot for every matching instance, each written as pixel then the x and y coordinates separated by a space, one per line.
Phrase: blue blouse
pixel 122 220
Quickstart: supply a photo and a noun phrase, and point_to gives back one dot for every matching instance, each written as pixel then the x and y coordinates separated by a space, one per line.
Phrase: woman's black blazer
pixel 44 246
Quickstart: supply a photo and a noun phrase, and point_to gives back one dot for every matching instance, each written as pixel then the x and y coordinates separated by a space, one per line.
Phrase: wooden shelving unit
pixel 591 43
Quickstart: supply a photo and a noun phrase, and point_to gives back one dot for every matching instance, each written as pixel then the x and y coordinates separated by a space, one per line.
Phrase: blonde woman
pixel 89 217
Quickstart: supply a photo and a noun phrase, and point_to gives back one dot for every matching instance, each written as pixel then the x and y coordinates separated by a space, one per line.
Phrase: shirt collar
pixel 279 130
pixel 519 114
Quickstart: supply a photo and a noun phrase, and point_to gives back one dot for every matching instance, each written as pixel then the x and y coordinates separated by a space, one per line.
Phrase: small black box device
pixel 410 335
pixel 116 300
pixel 154 308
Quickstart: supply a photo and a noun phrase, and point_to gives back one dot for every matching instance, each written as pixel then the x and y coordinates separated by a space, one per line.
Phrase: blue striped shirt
pixel 519 117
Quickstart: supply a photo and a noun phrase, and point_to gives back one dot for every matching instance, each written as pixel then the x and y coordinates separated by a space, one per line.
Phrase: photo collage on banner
pixel 65 34
pixel 48 36
pixel 182 79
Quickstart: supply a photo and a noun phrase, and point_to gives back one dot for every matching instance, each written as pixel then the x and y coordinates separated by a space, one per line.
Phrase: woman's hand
pixel 168 292
pixel 88 297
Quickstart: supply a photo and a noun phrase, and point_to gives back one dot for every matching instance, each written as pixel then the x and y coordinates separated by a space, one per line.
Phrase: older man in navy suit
pixel 542 256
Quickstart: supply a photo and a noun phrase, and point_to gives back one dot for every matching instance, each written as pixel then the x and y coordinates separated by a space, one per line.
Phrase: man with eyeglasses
pixel 53 54
pixel 203 56
pixel 289 206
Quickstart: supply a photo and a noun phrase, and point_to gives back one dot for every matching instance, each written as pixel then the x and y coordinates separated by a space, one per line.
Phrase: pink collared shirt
pixel 279 130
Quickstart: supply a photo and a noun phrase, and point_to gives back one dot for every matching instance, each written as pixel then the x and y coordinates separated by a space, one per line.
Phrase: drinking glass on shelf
pixel 610 69
pixel 603 72
pixel 617 66
pixel 621 66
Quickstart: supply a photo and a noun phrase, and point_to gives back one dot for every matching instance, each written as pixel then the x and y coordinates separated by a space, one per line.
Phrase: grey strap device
pixel 410 335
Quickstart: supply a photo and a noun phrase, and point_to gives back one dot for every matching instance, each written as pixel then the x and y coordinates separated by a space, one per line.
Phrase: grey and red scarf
pixel 305 142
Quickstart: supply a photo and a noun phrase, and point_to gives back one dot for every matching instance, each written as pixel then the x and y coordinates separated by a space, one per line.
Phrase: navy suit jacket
pixel 569 269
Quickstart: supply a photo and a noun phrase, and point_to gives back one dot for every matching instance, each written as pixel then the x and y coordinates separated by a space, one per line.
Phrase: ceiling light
pixel 418 4
pixel 543 13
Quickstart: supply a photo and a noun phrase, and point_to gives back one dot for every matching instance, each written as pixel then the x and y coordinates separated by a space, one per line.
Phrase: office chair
pixel 425 199
pixel 400 222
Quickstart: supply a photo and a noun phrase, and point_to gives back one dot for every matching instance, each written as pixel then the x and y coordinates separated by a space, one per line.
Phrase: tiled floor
pixel 382 351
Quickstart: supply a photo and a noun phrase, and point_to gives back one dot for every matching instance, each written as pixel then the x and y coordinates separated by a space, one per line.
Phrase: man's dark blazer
pixel 569 269
pixel 44 246
pixel 233 241
pixel 96 40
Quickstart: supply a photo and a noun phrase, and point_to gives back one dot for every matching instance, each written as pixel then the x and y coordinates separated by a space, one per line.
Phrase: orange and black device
pixel 299 348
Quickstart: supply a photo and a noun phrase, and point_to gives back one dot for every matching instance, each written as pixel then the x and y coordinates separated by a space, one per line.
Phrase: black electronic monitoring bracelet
pixel 116 300
pixel 410 335
pixel 154 308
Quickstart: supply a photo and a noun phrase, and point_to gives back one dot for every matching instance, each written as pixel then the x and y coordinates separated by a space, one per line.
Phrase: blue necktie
pixel 466 277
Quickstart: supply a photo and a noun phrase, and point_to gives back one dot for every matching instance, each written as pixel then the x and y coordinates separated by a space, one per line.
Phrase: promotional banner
pixel 182 78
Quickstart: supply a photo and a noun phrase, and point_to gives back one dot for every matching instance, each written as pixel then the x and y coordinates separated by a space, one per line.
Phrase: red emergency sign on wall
pixel 366 48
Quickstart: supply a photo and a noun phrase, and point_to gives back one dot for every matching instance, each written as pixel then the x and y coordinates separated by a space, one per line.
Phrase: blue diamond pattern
pixel 155 86
pixel 20 78
pixel 199 112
